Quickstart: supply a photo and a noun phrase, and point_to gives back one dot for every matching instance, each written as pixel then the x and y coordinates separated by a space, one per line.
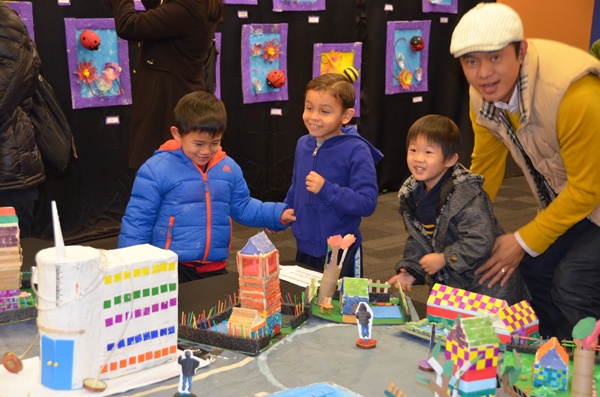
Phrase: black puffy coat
pixel 175 40
pixel 21 164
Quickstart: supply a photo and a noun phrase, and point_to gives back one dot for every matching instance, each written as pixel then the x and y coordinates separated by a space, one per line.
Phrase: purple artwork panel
pixel 264 55
pixel 25 11
pixel 98 70
pixel 251 2
pixel 298 5
pixel 335 58
pixel 407 50
pixel 447 6
pixel 138 5
pixel 218 71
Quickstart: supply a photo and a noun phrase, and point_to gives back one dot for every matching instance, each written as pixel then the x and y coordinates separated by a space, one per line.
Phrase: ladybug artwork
pixel 276 78
pixel 90 40
pixel 417 43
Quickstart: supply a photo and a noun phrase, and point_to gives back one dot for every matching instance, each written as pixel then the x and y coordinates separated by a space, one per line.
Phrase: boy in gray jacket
pixel 448 217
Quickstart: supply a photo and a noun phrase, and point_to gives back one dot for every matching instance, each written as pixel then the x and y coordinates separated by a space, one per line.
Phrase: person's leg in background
pixel 576 287
pixel 539 274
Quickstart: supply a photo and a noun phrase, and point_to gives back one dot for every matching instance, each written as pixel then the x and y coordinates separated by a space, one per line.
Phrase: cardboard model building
pixel 517 320
pixel 10 260
pixel 468 339
pixel 352 292
pixel 102 314
pixel 258 267
pixel 448 302
pixel 551 365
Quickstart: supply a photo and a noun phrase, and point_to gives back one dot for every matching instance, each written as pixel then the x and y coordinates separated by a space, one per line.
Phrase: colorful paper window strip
pixel 138 359
pixel 137 294
pixel 143 337
pixel 140 312
pixel 140 272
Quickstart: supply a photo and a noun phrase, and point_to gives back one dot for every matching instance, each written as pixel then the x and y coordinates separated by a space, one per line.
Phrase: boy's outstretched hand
pixel 402 280
pixel 288 216
pixel 314 182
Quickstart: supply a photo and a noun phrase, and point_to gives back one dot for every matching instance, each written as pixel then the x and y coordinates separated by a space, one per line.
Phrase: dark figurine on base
pixel 189 365
pixel 364 320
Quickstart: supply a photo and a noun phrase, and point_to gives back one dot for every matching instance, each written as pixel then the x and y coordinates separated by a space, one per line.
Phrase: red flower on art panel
pixel 87 72
pixel 271 50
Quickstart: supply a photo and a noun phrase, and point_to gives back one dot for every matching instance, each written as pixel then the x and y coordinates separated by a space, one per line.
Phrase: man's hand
pixel 506 256
pixel 314 182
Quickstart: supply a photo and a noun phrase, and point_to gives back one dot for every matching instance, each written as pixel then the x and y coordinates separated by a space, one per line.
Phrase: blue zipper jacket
pixel 175 206
pixel 347 163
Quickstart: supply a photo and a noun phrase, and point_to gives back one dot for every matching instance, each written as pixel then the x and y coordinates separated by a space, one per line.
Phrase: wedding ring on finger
pixel 503 270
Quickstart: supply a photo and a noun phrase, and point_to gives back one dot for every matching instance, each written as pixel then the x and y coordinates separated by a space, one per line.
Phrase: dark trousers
pixel 187 274
pixel 565 280
pixel 352 266
pixel 23 201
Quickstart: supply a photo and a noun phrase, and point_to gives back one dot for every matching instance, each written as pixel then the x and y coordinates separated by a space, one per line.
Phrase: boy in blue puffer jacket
pixel 334 183
pixel 185 195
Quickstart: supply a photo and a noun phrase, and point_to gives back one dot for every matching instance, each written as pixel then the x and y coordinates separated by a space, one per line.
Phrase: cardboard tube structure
pixel 583 373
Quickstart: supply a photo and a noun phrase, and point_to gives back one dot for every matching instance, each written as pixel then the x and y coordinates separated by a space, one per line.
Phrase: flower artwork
pixel 298 5
pixel 407 49
pixel 340 58
pixel 98 63
pixel 446 6
pixel 25 11
pixel 264 62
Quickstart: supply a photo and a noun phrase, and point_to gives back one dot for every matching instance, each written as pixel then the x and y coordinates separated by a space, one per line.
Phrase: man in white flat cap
pixel 540 101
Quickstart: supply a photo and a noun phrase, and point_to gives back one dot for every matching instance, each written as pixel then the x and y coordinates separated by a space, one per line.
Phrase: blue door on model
pixel 57 363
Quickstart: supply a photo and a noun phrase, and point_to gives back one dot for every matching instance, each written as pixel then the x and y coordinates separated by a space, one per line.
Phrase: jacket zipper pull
pixel 315 152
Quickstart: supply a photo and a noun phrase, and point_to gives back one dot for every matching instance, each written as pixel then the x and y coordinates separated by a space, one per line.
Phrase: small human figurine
pixel 189 364
pixel 364 320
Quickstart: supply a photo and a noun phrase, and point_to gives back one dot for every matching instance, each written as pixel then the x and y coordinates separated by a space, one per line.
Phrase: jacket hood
pixel 172 145
pixel 375 153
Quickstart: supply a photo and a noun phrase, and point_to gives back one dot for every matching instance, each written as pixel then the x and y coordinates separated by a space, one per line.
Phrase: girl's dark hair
pixel 200 111
pixel 439 130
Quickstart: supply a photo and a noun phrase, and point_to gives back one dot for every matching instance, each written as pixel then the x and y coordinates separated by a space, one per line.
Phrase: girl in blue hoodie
pixel 334 183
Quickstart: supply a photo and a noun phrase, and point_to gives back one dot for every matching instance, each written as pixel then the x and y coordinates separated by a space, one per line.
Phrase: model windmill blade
pixel 514 375
pixel 435 352
pixel 448 368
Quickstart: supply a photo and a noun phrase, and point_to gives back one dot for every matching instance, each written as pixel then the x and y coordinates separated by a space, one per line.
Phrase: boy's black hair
pixel 439 130
pixel 337 86
pixel 200 111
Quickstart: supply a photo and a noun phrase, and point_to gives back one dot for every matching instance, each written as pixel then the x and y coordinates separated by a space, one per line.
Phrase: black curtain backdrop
pixel 92 194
